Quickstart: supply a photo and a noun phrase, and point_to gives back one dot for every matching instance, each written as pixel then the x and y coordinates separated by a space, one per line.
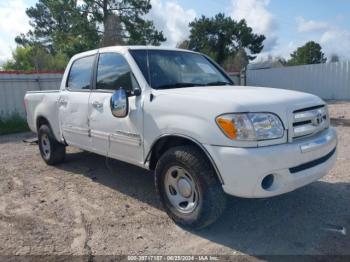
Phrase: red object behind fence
pixel 18 72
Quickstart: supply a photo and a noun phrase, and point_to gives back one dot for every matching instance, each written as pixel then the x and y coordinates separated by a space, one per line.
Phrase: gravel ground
pixel 90 206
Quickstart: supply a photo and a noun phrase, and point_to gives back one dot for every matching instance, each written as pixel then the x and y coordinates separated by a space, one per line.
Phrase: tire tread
pixel 58 150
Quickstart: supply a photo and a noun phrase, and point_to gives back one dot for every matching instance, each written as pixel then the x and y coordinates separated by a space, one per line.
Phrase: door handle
pixel 97 104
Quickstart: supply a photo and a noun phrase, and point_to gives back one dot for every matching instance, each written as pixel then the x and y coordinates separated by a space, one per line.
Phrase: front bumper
pixel 292 165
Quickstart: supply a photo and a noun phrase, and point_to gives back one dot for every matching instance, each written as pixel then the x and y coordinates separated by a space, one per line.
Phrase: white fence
pixel 329 81
pixel 14 86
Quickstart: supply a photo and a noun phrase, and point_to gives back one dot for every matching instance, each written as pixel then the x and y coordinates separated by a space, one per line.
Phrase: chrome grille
pixel 310 121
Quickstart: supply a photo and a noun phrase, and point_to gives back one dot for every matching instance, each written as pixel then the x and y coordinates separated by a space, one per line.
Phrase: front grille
pixel 309 121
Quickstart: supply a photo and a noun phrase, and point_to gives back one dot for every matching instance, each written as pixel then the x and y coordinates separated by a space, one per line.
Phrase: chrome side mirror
pixel 120 103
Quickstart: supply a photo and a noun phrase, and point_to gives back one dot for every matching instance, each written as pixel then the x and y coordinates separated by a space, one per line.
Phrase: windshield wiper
pixel 178 85
pixel 218 83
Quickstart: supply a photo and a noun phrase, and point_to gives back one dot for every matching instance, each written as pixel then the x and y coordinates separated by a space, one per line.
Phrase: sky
pixel 287 24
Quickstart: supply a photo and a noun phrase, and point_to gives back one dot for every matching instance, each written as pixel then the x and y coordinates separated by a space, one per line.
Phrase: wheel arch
pixel 165 142
pixel 42 120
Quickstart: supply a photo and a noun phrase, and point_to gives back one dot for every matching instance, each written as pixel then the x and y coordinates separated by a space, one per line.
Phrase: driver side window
pixel 114 72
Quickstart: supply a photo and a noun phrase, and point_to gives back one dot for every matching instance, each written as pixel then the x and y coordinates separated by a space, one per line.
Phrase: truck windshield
pixel 165 69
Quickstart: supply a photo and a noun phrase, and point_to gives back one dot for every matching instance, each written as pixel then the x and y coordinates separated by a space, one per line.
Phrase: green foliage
pixel 130 28
pixel 67 27
pixel 221 37
pixel 310 53
pixel 13 124
pixel 21 60
pixel 64 28
pixel 60 27
pixel 35 58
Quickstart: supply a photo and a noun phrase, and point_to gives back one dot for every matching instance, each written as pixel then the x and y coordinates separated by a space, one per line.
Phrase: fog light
pixel 267 182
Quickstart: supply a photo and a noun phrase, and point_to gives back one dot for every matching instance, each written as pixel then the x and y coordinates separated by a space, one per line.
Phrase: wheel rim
pixel 180 189
pixel 45 146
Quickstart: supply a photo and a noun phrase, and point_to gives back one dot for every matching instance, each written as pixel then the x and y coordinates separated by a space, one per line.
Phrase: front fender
pixel 198 129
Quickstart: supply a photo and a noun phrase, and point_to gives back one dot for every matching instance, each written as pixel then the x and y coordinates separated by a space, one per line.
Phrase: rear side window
pixel 80 73
pixel 113 72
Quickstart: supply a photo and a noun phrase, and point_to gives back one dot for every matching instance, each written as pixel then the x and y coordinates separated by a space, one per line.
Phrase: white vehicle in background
pixel 178 113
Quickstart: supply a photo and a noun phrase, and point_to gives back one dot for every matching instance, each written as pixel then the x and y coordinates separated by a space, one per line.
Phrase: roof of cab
pixel 125 48
pixel 136 47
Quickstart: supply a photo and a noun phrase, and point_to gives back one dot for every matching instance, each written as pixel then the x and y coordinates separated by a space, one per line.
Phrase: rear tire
pixel 51 150
pixel 188 187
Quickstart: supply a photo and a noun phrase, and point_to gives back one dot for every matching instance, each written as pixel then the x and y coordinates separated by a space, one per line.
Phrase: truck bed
pixel 42 104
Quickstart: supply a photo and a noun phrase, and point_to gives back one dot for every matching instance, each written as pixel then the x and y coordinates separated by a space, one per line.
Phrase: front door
pixel 119 138
pixel 73 103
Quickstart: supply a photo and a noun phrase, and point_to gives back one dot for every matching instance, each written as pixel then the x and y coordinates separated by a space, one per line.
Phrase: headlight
pixel 251 126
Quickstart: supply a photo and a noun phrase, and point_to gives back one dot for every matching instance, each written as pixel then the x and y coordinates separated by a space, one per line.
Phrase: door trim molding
pixel 75 130
pixel 118 137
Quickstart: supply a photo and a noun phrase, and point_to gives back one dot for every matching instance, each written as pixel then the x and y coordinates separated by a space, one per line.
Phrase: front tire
pixel 189 188
pixel 51 150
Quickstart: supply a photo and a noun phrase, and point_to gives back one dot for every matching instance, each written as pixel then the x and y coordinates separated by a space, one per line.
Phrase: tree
pixel 282 60
pixel 271 62
pixel 66 27
pixel 20 60
pixel 310 53
pixel 237 62
pixel 35 58
pixel 60 27
pixel 221 37
pixel 334 58
pixel 112 31
pixel 183 45
pixel 123 21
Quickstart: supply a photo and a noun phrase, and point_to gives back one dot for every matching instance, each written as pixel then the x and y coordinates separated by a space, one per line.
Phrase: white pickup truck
pixel 178 113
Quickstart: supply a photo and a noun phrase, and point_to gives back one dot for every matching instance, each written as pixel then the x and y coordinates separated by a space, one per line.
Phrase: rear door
pixel 119 138
pixel 73 103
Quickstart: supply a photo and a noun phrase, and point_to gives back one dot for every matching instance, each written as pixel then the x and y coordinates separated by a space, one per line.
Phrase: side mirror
pixel 120 103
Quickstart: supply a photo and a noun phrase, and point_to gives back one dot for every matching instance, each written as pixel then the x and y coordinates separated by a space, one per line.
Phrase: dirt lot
pixel 93 207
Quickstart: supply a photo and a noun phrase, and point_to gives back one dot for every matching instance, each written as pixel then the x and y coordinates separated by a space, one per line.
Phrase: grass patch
pixel 13 124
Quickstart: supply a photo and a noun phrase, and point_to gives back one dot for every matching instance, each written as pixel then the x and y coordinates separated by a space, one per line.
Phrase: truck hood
pixel 226 99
